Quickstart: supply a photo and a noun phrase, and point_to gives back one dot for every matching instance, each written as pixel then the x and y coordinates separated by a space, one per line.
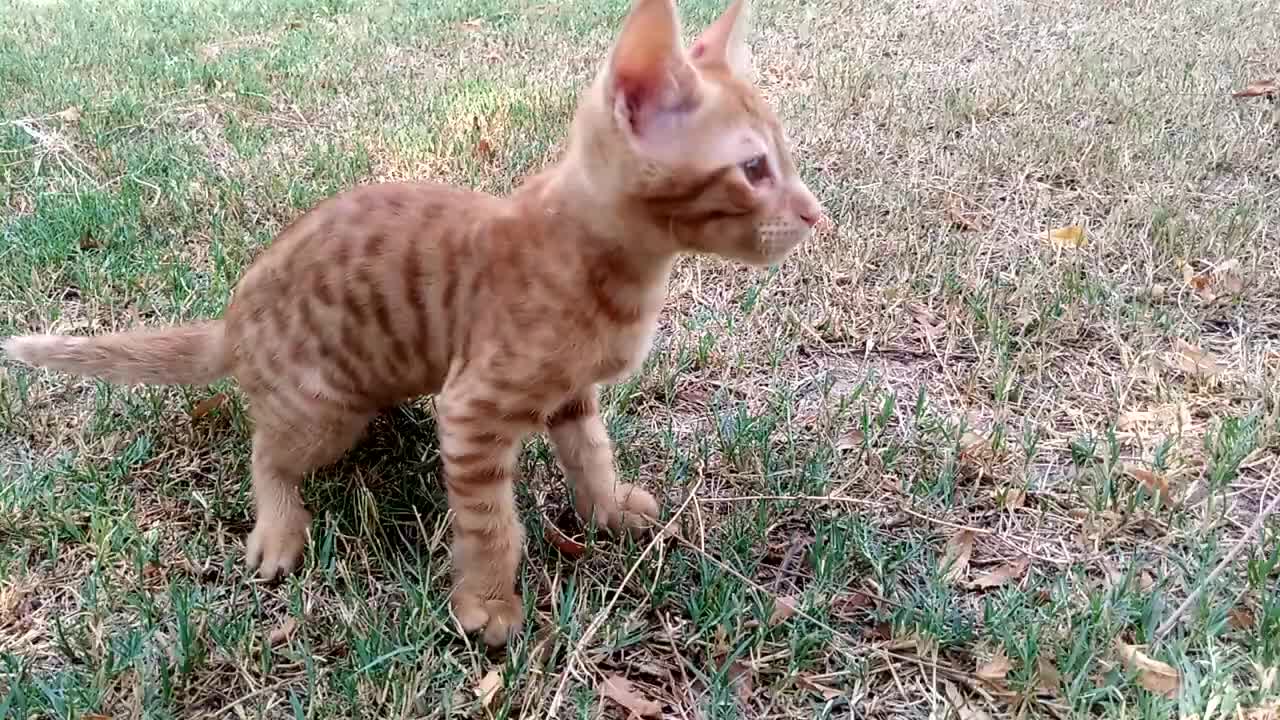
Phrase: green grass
pixel 823 429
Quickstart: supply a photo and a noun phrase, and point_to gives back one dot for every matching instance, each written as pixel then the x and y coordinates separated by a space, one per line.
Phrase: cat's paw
pixel 274 548
pixel 631 509
pixel 500 618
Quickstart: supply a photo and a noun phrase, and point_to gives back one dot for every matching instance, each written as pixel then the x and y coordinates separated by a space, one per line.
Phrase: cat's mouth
pixel 774 243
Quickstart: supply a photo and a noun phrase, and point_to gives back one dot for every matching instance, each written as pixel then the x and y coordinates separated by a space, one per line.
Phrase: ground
pixel 997 442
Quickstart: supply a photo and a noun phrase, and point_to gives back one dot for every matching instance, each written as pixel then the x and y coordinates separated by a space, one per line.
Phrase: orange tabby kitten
pixel 511 310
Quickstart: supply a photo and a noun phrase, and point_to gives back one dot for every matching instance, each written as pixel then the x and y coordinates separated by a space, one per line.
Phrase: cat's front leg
pixel 479 441
pixel 585 453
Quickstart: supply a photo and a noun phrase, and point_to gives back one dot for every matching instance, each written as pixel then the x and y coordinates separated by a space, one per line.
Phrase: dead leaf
pixel 1048 678
pixel 743 680
pixel 964 708
pixel 955 557
pixel 852 440
pixel 995 670
pixel 856 600
pixel 89 242
pixel 488 687
pixel 1240 618
pixel 1013 570
pixel 565 544
pixel 621 691
pixel 1225 277
pixel 783 608
pixel 1154 675
pixel 1155 483
pixel 828 693
pixel 94 716
pixel 1192 360
pixel 976 454
pixel 208 405
pixel 1071 236
pixel 1258 88
pixel 963 218
pixel 1173 417
pixel 281 635
pixel 1013 499
pixel 484 149
pixel 70 115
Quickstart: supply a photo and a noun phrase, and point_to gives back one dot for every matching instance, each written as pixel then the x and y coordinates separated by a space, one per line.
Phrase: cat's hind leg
pixel 282 454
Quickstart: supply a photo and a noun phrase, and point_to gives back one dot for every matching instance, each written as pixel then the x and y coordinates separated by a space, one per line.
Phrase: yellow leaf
pixel 1071 236
pixel 1154 675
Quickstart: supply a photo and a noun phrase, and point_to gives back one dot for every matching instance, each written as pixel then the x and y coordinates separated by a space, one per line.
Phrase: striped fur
pixel 511 310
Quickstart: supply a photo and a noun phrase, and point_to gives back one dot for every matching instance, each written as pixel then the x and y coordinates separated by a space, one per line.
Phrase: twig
pixel 1167 626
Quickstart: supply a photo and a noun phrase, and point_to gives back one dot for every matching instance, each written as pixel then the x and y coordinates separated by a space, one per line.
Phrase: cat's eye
pixel 756 169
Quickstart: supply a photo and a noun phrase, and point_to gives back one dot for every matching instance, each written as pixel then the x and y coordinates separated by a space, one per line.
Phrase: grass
pixel 969 464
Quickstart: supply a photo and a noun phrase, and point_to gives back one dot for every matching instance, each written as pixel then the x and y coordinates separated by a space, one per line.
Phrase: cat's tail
pixel 195 354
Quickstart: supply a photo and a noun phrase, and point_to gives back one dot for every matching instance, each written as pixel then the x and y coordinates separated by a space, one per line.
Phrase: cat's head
pixel 683 135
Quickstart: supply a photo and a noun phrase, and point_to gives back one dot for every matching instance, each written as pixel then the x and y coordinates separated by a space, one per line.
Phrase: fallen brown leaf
pixel 783 608
pixel 621 691
pixel 963 218
pixel 484 149
pixel 828 693
pixel 1258 88
pixel 488 687
pixel 1225 277
pixel 1154 482
pixel 964 708
pixel 852 440
pixel 281 635
pixel 955 556
pixel 994 671
pixel 208 405
pixel 1048 678
pixel 71 114
pixel 1154 675
pixel 1192 360
pixel 1013 499
pixel 1012 570
pixel 743 680
pixel 565 544
pixel 1071 236
pixel 1240 618
pixel 1172 417
pixel 94 716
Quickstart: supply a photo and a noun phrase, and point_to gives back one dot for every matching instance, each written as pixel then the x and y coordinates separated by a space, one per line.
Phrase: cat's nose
pixel 806 206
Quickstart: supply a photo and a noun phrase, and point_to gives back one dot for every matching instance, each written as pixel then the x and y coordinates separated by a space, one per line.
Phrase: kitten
pixel 510 310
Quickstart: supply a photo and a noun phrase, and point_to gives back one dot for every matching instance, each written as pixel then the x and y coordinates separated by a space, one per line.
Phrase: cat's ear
pixel 650 82
pixel 725 40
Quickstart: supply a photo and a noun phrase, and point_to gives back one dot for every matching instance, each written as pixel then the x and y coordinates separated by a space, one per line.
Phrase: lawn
pixel 997 442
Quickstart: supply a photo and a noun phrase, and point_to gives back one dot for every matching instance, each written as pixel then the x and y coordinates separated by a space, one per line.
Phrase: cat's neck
pixel 633 257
